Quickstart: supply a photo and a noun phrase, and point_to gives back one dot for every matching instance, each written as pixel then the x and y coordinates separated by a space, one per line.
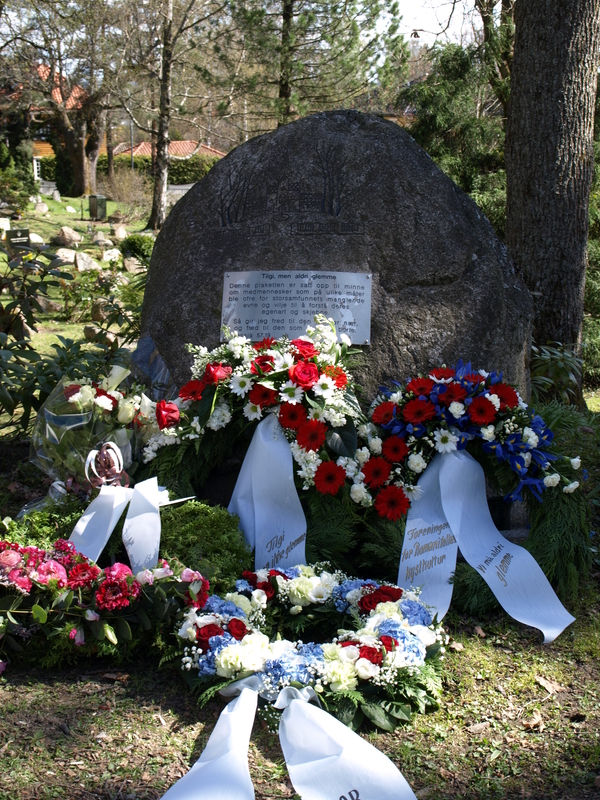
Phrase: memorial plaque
pixel 284 303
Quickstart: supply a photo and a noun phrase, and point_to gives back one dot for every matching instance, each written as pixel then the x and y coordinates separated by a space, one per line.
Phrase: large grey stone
pixel 85 263
pixel 66 255
pixel 354 193
pixel 66 236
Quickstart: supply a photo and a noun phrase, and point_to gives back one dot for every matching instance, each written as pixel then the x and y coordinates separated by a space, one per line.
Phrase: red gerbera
pixel 262 364
pixel 454 394
pixel 394 449
pixel 474 377
pixel 508 397
pixel 311 434
pixel 262 396
pixel 442 373
pixel 482 411
pixel 383 413
pixel 82 575
pixel 420 386
pixel 392 503
pixel 291 416
pixel 376 472
pixel 416 411
pixel 329 478
pixel 338 375
pixel 264 344
pixel 192 390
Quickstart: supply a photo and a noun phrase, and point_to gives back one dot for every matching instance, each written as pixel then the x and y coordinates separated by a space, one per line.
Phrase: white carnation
pixel 571 487
pixel 552 480
pixel 416 462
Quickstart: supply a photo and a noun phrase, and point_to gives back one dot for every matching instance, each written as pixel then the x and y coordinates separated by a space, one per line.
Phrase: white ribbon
pixel 453 512
pixel 221 772
pixel 141 530
pixel 325 759
pixel 266 501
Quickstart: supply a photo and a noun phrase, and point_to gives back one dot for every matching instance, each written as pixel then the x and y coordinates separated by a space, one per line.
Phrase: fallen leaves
pixel 550 686
pixel 478 727
pixel 479 631
pixel 535 721
pixel 457 646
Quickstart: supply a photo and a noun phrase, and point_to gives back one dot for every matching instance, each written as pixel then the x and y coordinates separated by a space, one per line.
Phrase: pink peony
pixel 20 579
pixel 51 571
pixel 117 572
pixel 10 558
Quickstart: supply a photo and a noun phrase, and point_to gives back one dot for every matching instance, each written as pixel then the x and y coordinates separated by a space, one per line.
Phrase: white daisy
pixel 445 441
pixel 290 393
pixel 252 411
pixel 324 387
pixel 240 385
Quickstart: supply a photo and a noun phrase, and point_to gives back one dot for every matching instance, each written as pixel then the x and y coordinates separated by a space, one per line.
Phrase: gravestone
pixel 343 192
pixel 18 237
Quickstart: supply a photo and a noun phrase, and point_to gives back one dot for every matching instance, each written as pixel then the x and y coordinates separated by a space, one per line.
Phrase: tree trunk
pixel 110 157
pixel 96 128
pixel 285 68
pixel 159 198
pixel 549 157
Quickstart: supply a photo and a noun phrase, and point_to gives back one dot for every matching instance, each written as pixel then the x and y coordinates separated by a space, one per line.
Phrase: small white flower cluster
pixel 220 417
pixel 164 438
pixel 308 461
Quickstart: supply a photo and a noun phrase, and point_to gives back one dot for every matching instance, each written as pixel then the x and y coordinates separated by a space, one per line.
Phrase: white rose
pixel 488 434
pixel 552 480
pixel 87 396
pixel 365 669
pixel 426 635
pixel 126 412
pixel 416 462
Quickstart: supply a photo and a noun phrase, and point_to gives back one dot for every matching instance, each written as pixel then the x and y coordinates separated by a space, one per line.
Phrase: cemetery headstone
pixel 42 208
pixel 341 192
pixel 56 195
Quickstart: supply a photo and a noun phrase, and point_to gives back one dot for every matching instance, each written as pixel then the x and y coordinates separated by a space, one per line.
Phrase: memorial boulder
pixel 341 192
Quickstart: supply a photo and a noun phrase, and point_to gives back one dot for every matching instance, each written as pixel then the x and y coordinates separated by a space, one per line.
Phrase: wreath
pixel 382 664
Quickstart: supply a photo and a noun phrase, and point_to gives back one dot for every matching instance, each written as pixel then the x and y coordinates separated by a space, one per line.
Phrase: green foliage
pixel 16 177
pixel 555 369
pixel 138 246
pixel 180 172
pixel 64 175
pixel 48 168
pixel 457 120
pixel 208 539
pixel 42 528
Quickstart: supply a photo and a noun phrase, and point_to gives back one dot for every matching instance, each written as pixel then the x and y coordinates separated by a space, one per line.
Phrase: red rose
pixel 237 628
pixel 216 372
pixel 368 602
pixel 262 365
pixel 388 642
pixel 383 413
pixel 250 577
pixel 304 374
pixel 372 654
pixel 167 414
pixel 71 390
pixel 349 644
pixel 267 588
pixel 274 572
pixel 305 349
pixel 389 594
pixel 192 390
pixel 206 633
pixel 113 400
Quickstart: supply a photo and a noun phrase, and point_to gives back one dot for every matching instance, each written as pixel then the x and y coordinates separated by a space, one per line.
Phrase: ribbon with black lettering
pixel 266 501
pixel 452 513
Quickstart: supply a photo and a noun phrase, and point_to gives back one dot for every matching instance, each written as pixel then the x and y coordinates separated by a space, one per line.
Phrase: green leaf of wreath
pixel 205 406
pixel 123 629
pixel 378 716
pixel 11 602
pixel 13 645
pixel 39 614
pixel 143 619
pixel 343 440
pixel 397 710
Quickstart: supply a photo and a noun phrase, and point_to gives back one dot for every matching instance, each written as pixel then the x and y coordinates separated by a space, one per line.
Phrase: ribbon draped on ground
pixel 141 531
pixel 266 501
pixel 452 513
pixel 325 759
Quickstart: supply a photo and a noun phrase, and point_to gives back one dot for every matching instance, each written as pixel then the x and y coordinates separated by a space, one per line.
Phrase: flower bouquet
pixel 384 665
pixel 59 596
pixel 78 417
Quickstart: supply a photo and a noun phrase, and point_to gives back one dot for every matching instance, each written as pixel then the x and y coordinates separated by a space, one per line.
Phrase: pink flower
pixel 91 616
pixel 10 558
pixel 2 666
pixel 189 575
pixel 145 577
pixel 20 579
pixel 164 571
pixel 117 572
pixel 77 635
pixel 51 571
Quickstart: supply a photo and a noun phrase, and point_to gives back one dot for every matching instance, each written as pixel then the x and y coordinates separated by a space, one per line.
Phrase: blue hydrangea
pixel 390 627
pixel 340 592
pixel 216 605
pixel 292 572
pixel 413 648
pixel 415 612
pixel 206 664
pixel 294 666
pixel 242 586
